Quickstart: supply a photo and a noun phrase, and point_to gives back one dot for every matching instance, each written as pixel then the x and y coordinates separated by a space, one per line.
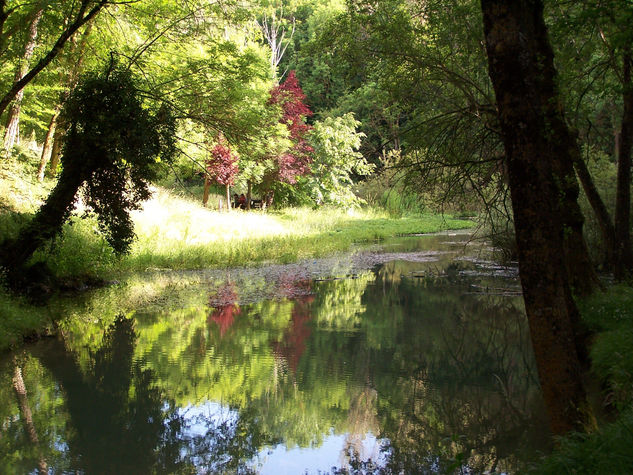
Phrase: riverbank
pixel 177 233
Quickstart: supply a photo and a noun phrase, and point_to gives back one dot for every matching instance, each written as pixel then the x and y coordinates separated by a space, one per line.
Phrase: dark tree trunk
pixel 623 253
pixel 249 194
pixel 536 140
pixel 600 210
pixel 47 222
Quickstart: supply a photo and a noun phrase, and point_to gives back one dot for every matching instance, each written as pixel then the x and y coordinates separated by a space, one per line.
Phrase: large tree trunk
pixel 535 138
pixel 13 118
pixel 47 222
pixel 623 253
pixel 228 197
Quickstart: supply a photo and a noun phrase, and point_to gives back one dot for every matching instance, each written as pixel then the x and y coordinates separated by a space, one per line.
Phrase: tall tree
pixel 13 118
pixel 290 97
pixel 596 58
pixel 274 28
pixel 69 77
pixel 85 11
pixel 536 140
pixel 111 150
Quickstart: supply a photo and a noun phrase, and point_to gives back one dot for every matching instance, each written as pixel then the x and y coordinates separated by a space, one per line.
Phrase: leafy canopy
pixel 113 147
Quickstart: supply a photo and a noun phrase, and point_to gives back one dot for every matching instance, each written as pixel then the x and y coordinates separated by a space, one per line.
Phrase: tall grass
pixel 177 233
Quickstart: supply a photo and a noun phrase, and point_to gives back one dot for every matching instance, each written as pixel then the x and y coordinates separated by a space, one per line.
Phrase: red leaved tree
pixel 296 161
pixel 221 167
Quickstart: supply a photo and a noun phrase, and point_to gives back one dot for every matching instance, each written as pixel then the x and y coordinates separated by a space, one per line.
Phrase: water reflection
pixel 399 369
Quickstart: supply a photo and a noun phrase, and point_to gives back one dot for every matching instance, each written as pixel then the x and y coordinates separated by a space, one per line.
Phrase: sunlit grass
pixel 177 233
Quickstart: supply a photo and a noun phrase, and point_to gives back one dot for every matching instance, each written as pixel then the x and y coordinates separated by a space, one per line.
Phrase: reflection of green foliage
pixel 442 374
pixel 338 304
pixel 18 453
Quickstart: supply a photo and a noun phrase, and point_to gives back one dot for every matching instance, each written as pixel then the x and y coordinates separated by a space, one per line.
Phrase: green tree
pixel 336 160
pixel 112 150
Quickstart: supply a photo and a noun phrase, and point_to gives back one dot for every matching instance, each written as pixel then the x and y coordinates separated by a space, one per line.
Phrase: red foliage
pixel 222 165
pixel 289 96
pixel 293 345
pixel 226 307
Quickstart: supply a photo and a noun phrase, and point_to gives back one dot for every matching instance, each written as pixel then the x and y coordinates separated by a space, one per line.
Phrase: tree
pixel 274 31
pixel 536 140
pixel 593 42
pixel 296 161
pixel 336 158
pixel 86 10
pixel 13 119
pixel 222 167
pixel 111 151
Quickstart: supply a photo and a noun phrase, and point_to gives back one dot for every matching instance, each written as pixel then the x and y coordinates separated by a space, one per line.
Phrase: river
pixel 411 356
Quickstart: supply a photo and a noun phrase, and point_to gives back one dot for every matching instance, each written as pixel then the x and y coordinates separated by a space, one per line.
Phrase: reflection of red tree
pixel 225 306
pixel 294 342
pixel 224 317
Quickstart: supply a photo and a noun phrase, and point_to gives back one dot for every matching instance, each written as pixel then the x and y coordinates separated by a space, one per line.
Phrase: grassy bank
pixel 609 450
pixel 177 233
pixel 174 232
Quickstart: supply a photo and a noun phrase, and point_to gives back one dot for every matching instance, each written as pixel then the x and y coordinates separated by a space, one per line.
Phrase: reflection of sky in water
pixel 280 460
pixel 332 453
pixel 199 419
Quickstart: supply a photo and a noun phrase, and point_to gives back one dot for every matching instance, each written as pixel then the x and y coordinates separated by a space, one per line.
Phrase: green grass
pixel 610 449
pixel 176 233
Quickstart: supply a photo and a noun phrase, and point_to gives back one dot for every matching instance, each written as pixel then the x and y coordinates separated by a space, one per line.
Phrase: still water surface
pixel 413 360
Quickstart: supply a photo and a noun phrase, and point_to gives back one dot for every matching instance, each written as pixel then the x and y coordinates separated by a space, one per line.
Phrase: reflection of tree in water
pixel 225 306
pixel 120 422
pixel 439 374
pixel 293 343
pixel 466 393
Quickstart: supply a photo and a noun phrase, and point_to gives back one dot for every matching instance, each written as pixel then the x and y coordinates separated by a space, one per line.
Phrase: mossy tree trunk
pixel 48 221
pixel 536 140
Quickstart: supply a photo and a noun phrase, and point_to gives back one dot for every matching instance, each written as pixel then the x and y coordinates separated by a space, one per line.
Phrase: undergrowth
pixel 608 450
